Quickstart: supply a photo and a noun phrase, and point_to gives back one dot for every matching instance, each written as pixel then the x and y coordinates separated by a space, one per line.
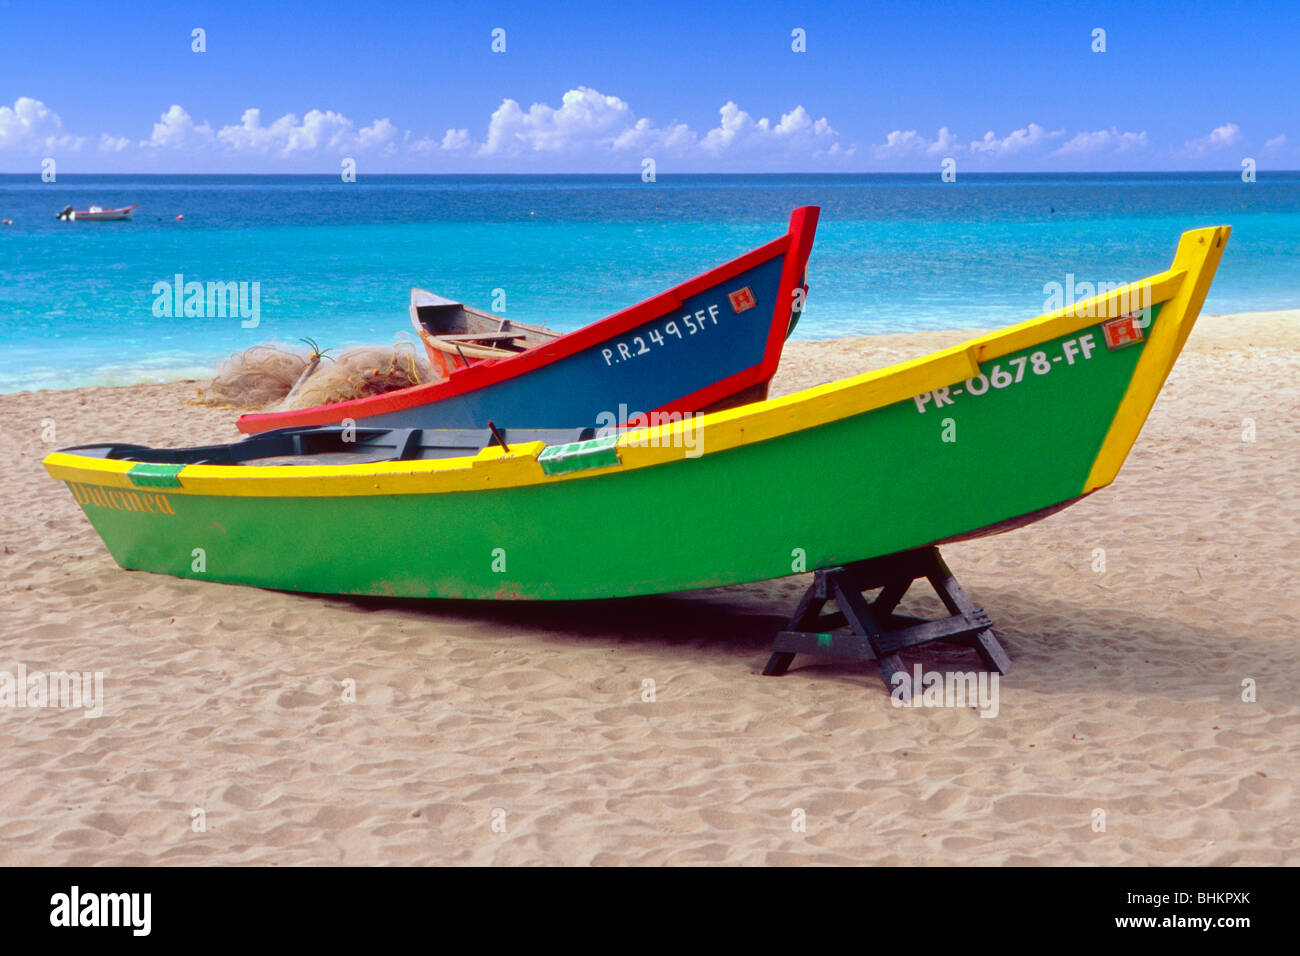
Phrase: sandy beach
pixel 518 734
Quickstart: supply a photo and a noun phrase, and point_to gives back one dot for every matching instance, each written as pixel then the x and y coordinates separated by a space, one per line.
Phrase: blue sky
pixel 415 87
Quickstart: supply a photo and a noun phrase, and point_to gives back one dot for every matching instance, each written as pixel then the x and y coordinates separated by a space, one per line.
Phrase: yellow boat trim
pixel 761 421
pixel 93 471
pixel 1198 255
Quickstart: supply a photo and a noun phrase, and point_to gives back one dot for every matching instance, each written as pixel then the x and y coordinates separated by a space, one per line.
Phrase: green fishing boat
pixel 973 439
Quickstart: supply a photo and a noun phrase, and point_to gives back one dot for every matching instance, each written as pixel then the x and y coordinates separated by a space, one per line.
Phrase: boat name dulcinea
pixel 143 501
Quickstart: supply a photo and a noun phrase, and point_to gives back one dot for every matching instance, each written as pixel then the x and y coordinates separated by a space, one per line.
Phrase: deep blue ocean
pixel 335 261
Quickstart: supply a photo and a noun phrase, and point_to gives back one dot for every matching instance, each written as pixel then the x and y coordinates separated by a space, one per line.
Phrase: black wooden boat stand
pixel 875 631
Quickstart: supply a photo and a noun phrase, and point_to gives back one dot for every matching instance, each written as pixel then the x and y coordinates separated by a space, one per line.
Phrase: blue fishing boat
pixel 711 343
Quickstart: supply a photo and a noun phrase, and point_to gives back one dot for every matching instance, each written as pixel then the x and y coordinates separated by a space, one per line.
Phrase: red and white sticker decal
pixel 742 299
pixel 1124 331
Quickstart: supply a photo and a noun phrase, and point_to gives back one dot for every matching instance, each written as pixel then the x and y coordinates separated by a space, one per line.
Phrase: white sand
pixel 1125 692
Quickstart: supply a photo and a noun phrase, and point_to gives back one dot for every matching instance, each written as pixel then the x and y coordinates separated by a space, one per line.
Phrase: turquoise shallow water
pixel 335 261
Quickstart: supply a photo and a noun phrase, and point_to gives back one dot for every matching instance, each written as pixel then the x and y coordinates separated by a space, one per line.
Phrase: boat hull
pixel 965 441
pixel 107 215
pixel 695 347
pixel 873 484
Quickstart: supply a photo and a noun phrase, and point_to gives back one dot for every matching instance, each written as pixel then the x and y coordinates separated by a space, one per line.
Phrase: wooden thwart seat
pixel 482 336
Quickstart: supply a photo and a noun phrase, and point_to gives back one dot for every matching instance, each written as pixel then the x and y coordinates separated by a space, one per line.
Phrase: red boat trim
pixel 797 242
pixel 719 390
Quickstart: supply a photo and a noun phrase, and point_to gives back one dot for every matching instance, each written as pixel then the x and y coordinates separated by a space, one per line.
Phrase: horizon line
pixel 636 174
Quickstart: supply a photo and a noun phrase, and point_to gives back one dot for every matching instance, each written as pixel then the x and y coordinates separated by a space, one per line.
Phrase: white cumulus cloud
pixel 176 129
pixel 452 141
pixel 584 118
pixel 900 143
pixel 587 128
pixel 317 131
pixel 1221 137
pixel 675 139
pixel 1103 140
pixel 1015 141
pixel 455 139
pixel 588 121
pixel 32 126
pixel 797 133
pixel 112 144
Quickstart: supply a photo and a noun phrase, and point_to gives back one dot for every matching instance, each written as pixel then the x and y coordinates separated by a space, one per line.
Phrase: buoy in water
pixel 6 222
pixel 179 218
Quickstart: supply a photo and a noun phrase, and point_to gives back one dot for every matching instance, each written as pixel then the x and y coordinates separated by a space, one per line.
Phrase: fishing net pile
pixel 255 378
pixel 358 372
pixel 276 378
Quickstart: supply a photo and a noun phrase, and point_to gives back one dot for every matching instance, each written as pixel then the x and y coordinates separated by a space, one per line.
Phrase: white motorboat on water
pixel 96 214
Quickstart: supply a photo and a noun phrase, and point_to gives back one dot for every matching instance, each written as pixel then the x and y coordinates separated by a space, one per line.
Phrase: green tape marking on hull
pixel 579 456
pixel 145 475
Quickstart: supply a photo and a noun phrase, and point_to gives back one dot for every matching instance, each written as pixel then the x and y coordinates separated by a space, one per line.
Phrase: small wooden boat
pixel 710 343
pixel 454 334
pixel 1044 412
pixel 96 214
